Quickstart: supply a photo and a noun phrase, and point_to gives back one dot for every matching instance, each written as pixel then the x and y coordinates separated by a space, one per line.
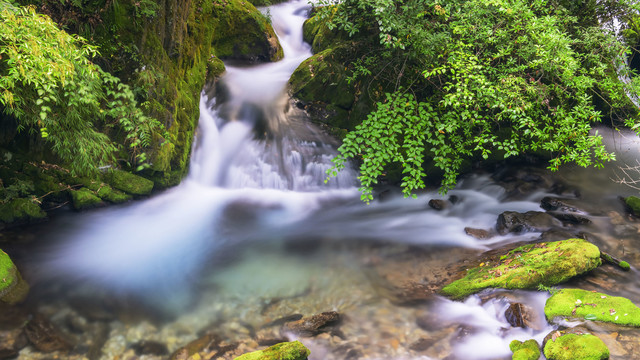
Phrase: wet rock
pixel 312 325
pixel 571 346
pixel 516 315
pixel 528 266
pixel 571 218
pixel 11 342
pixel 289 350
pixel 479 234
pixel 438 204
pixel 527 350
pixel 13 289
pixel 515 222
pixel 578 303
pixel 556 204
pixel 45 337
pixel 150 347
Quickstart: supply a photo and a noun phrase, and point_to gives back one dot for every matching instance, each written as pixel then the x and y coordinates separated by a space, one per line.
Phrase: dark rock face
pixel 520 315
pixel 438 204
pixel 515 222
pixel 556 204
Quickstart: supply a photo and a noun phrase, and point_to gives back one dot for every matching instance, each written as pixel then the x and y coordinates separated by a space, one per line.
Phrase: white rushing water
pixel 258 175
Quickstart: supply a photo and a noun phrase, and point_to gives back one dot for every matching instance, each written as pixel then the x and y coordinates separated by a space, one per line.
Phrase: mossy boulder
pixel 576 346
pixel 13 289
pixel 129 183
pixel 84 199
pixel 284 351
pixel 633 203
pixel 526 267
pixel 266 2
pixel 316 32
pixel 577 303
pixel 527 350
pixel 242 32
pixel 21 210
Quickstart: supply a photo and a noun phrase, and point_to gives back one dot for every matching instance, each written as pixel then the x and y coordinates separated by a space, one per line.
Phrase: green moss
pixel 129 183
pixel 284 351
pixel 527 350
pixel 573 346
pixel 624 265
pixel 106 192
pixel 84 199
pixel 13 288
pixel 241 32
pixel 528 266
pixel 577 303
pixel 20 209
pixel 633 202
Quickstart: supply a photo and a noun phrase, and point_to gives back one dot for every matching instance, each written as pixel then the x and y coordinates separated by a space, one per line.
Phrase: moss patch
pixel 528 266
pixel 577 303
pixel 106 192
pixel 527 350
pixel 20 209
pixel 13 288
pixel 84 199
pixel 129 183
pixel 633 202
pixel 284 351
pixel 573 346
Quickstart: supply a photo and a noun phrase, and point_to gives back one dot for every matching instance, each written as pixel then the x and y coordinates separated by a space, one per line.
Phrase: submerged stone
pixel 578 303
pixel 515 222
pixel 576 346
pixel 312 325
pixel 528 266
pixel 284 351
pixel 129 183
pixel 527 350
pixel 13 289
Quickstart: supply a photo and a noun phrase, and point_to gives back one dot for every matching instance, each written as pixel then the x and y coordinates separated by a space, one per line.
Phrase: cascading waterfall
pixel 257 176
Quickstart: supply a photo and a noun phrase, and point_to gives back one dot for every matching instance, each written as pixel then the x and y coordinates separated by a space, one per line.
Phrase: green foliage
pixel 49 84
pixel 482 78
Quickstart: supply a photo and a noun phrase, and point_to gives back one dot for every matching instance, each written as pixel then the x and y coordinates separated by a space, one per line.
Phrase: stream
pixel 254 236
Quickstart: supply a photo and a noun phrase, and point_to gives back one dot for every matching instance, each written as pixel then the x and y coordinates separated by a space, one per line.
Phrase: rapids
pixel 254 233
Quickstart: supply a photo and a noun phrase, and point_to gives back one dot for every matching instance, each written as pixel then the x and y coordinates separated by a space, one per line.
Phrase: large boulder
pixel 241 32
pixel 582 304
pixel 13 289
pixel 289 350
pixel 528 266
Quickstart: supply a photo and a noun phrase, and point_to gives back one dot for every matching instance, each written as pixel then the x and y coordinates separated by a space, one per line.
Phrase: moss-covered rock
pixel 129 183
pixel 242 32
pixel 577 303
pixel 20 209
pixel 528 266
pixel 284 351
pixel 527 350
pixel 266 2
pixel 13 289
pixel 84 199
pixel 633 203
pixel 106 192
pixel 574 346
